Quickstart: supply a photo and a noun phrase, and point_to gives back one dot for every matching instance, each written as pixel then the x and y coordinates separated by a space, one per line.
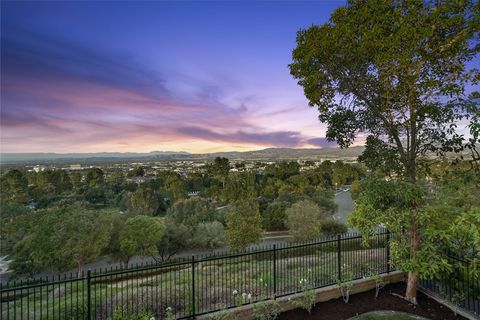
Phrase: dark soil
pixel 364 302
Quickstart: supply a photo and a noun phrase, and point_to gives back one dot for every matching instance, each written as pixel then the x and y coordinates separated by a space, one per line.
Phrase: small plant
pixel 345 284
pixel 268 310
pixel 307 300
pixel 457 300
pixel 169 314
pixel 119 314
pixel 379 280
pixel 224 314
pixel 241 299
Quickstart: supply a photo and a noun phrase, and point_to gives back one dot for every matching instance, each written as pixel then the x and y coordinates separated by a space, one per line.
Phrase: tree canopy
pixel 398 73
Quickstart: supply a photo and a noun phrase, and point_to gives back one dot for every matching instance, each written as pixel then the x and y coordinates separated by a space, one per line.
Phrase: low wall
pixel 323 294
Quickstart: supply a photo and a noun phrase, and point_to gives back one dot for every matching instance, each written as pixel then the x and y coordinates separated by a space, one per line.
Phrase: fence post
pixel 339 257
pixel 89 294
pixel 388 251
pixel 274 272
pixel 193 287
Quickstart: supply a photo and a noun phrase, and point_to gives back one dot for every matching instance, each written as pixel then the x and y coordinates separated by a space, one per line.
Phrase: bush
pixel 121 315
pixel 303 220
pixel 332 228
pixel 274 217
pixel 209 235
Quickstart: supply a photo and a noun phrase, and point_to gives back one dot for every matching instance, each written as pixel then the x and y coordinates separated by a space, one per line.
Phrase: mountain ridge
pixel 268 153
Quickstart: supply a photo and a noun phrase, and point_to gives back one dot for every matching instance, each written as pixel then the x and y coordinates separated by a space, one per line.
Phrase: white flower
pixel 244 295
pixel 249 296
pixel 169 309
pixel 235 292
pixel 261 280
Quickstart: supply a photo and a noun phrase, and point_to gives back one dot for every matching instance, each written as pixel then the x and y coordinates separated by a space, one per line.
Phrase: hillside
pixel 265 154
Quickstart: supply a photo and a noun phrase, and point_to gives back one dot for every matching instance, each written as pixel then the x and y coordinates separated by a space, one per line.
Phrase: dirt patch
pixel 364 302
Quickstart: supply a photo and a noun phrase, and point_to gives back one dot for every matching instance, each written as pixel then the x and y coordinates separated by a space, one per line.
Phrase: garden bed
pixel 360 303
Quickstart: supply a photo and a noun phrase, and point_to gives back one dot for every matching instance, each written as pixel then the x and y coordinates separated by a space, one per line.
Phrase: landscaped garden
pixel 390 299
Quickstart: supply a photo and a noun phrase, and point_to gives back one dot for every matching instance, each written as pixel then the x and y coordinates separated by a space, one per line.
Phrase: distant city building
pixel 39 168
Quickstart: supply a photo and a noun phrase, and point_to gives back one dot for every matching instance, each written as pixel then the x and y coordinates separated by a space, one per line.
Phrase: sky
pixel 199 76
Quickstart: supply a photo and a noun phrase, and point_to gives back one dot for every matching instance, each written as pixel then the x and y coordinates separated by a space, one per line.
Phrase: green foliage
pixel 397 71
pixel 175 187
pixel 446 215
pixel 373 274
pixel 209 235
pixel 274 217
pixel 144 201
pixel 175 239
pixel 137 172
pixel 244 224
pixel 121 315
pixel 308 298
pixel 268 310
pixel 14 187
pixel 304 220
pixel 140 235
pixel 282 170
pixel 94 178
pixel 16 221
pixel 345 282
pixel 332 227
pixel 61 239
pixel 53 181
pixel 191 212
pixel 355 188
pixel 224 314
pixel 239 186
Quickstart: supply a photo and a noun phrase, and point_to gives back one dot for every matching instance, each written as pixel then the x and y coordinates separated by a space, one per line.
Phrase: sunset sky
pixel 124 76
pixel 200 76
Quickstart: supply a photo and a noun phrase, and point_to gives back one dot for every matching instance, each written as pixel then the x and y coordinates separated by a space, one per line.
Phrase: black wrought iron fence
pixel 198 285
pixel 459 286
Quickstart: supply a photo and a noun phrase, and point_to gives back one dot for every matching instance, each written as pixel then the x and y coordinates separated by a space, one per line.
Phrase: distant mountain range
pixel 265 154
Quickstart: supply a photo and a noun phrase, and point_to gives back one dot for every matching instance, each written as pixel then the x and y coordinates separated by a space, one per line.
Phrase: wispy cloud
pixel 58 95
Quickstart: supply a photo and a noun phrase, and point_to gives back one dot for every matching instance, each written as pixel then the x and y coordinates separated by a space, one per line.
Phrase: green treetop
pixel 396 71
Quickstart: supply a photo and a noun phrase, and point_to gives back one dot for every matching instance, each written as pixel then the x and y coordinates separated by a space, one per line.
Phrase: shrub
pixel 303 220
pixel 122 315
pixel 308 298
pixel 345 283
pixel 268 310
pixel 332 228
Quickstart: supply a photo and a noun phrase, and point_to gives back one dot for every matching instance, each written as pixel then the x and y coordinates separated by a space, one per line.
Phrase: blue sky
pixel 198 76
pixel 139 76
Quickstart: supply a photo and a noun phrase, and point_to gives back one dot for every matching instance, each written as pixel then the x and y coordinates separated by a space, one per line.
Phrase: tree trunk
pixel 411 293
pixel 412 282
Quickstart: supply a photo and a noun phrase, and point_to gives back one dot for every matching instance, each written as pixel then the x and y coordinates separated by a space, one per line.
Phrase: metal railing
pixel 459 286
pixel 198 285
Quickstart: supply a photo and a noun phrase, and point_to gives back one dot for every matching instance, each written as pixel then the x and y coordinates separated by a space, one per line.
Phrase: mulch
pixel 363 302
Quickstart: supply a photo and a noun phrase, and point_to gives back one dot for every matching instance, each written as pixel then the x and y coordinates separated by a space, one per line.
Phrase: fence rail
pixel 196 286
pixel 459 286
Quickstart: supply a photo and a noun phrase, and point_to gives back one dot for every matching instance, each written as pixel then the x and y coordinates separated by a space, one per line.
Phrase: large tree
pixel 140 235
pixel 396 72
pixel 61 238
pixel 13 187
pixel 244 224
